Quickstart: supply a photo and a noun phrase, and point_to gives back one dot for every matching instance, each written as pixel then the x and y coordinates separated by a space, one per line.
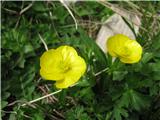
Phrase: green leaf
pixel 116 93
pixel 156 76
pixel 61 14
pixel 39 7
pixel 154 66
pixel 3 104
pixel 147 57
pixel 108 116
pixel 28 48
pixel 5 95
pixel 119 75
pixel 38 116
pixel 99 55
pixel 77 113
pixel 21 62
pixel 86 81
pixel 12 117
pixel 87 94
pixel 154 90
pixel 119 112
pixel 138 100
pixel 124 101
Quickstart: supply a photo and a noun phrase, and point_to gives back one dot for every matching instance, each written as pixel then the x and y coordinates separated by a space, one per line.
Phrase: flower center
pixel 64 67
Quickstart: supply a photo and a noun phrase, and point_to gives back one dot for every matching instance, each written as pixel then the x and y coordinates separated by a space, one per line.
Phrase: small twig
pixel 133 17
pixel 11 112
pixel 39 80
pixel 14 112
pixel 70 12
pixel 11 11
pixel 38 99
pixel 54 98
pixel 92 22
pixel 45 45
pixel 54 117
pixel 26 8
pixel 98 73
pixel 15 102
pixel 59 114
pixel 74 84
pixel 71 100
pixel 45 93
pixel 17 22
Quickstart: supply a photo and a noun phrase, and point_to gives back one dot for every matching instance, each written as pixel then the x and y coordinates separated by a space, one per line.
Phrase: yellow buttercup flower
pixel 62 65
pixel 127 50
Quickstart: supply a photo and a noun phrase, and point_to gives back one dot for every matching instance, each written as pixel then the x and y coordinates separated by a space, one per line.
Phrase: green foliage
pixel 77 113
pixel 121 92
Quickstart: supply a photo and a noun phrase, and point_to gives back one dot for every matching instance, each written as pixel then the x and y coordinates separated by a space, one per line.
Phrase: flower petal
pixel 68 81
pixel 129 51
pixel 49 63
pixel 78 67
pixel 62 65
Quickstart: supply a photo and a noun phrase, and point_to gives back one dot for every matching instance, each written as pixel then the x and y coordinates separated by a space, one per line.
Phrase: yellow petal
pixel 64 83
pixel 78 67
pixel 62 65
pixel 129 51
pixel 67 52
pixel 134 51
pixel 130 59
pixel 54 75
pixel 68 81
pixel 49 62
pixel 115 44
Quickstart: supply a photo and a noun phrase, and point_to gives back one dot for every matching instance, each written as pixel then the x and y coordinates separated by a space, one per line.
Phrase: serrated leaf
pixel 124 101
pixel 77 113
pixel 119 112
pixel 116 93
pixel 86 94
pixel 119 75
pixel 138 100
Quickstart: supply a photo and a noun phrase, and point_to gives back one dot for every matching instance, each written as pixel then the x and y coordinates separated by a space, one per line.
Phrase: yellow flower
pixel 127 50
pixel 62 65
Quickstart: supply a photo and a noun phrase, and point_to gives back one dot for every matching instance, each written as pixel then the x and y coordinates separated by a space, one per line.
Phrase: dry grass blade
pixel 10 11
pixel 133 17
pixel 45 45
pixel 26 8
pixel 38 99
pixel 70 12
